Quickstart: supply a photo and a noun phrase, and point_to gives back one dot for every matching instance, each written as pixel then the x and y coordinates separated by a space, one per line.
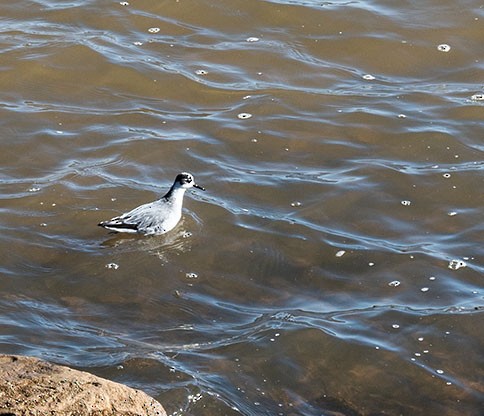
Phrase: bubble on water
pixel 424 289
pixel 252 39
pixel 439 371
pixel 432 278
pixel 154 29
pixel 201 72
pixel 244 116
pixel 402 116
pixel 254 140
pixel 446 175
pixel 368 77
pixel 395 326
pixel 191 275
pixel 340 253
pixel 456 264
pixel 371 264
pixel 33 189
pixel 113 266
pixel 394 283
pixel 124 3
pixel 417 354
pixel 420 339
pixel 295 204
pixel 138 43
pixel 451 213
pixel 405 203
pixel 443 47
pixel 186 234
pixel 478 97
pixel 43 224
pixel 193 398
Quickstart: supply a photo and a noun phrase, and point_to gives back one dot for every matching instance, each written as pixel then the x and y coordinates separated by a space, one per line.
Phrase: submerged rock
pixel 31 387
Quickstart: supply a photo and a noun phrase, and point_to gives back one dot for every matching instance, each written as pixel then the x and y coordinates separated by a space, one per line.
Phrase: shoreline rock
pixel 33 387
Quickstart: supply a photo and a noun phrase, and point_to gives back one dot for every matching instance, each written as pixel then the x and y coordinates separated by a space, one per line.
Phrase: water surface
pixel 334 265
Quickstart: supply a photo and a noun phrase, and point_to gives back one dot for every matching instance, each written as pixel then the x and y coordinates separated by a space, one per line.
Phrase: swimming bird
pixel 156 217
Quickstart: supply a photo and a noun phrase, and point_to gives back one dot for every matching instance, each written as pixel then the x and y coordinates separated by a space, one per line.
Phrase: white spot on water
pixel 439 371
pixel 402 116
pixel 124 3
pixel 421 339
pixel 432 278
pixel 451 213
pixel 154 29
pixel 33 189
pixel 295 204
pixel 340 253
pixel 371 264
pixel 478 97
pixel 254 140
pixel 395 326
pixel 446 175
pixel 193 398
pixel 424 289
pixel 443 47
pixel 406 203
pixel 456 264
pixel 394 283
pixel 252 39
pixel 137 43
pixel 244 116
pixel 191 275
pixel 201 72
pixel 113 266
pixel 43 224
pixel 368 77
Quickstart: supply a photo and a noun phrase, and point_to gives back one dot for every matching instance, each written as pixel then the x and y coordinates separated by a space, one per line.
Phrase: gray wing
pixel 144 219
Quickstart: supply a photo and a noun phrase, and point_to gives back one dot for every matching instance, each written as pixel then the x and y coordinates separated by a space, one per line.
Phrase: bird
pixel 157 217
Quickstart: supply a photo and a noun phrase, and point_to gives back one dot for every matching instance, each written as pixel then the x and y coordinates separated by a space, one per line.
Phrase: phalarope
pixel 156 217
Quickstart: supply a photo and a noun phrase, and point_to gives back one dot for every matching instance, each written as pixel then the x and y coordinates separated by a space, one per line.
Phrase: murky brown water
pixel 313 275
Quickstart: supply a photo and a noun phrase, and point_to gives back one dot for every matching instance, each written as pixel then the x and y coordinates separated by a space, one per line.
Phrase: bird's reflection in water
pixel 178 240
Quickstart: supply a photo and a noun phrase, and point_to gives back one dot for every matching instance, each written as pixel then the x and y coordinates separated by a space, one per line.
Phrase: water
pixel 334 265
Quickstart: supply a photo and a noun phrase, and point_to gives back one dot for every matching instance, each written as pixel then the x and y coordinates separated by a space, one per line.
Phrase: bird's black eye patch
pixel 186 179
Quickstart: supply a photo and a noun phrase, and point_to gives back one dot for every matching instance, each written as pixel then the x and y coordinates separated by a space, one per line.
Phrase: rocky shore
pixel 32 387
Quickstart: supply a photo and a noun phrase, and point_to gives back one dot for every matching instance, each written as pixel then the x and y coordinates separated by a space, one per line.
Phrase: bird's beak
pixel 199 187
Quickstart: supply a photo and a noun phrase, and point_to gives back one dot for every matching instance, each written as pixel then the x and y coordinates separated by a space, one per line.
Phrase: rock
pixel 32 387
